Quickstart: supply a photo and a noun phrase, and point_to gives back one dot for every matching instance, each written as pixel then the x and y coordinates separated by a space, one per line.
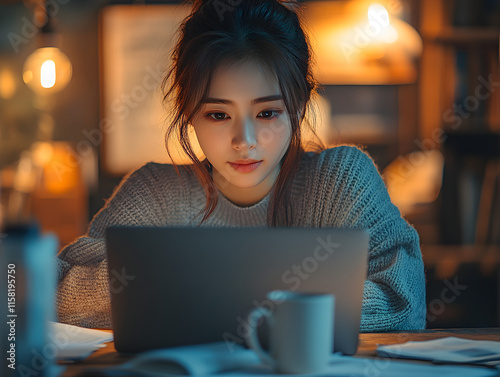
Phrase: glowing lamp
pixel 362 42
pixel 47 70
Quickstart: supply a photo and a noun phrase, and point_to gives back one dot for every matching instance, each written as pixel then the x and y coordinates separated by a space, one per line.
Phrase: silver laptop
pixel 173 286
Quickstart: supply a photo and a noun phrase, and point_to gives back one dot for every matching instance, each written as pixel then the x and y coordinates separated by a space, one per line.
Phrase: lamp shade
pixel 47 70
pixel 361 42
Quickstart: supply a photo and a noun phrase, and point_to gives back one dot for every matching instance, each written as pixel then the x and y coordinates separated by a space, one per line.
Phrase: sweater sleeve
pixel 83 285
pixel 394 291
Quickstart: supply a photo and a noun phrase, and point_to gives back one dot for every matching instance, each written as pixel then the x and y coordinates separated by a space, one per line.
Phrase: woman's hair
pixel 219 32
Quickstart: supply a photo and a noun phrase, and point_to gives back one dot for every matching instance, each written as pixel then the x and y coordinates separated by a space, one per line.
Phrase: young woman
pixel 241 78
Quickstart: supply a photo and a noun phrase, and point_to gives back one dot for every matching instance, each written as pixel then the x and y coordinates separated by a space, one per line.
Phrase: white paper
pixel 450 349
pixel 73 342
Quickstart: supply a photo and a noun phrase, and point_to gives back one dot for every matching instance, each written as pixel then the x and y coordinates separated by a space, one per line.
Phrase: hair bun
pixel 197 4
pixel 292 5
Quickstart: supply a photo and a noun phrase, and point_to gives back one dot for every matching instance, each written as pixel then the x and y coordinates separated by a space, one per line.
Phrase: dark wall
pixel 76 108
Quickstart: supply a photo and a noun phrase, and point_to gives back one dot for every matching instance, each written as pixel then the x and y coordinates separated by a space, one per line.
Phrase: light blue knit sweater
pixel 339 187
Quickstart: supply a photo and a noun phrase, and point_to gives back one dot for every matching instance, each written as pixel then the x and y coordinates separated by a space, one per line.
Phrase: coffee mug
pixel 300 331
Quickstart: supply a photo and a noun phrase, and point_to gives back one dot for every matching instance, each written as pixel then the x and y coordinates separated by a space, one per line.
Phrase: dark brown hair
pixel 220 32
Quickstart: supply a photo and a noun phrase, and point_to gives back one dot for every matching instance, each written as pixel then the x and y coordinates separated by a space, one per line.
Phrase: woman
pixel 241 78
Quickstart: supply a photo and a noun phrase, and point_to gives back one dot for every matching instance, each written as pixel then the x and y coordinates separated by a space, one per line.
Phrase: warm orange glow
pixel 414 179
pixel 47 70
pixel 7 84
pixel 361 42
pixel 378 19
pixel 59 176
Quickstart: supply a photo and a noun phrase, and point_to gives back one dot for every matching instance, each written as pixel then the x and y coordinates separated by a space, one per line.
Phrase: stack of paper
pixel 73 343
pixel 447 350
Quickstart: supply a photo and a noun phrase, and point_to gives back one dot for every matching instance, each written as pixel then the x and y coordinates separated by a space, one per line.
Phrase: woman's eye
pixel 269 114
pixel 217 116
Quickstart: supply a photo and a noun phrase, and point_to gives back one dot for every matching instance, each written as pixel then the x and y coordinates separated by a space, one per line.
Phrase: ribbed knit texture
pixel 340 187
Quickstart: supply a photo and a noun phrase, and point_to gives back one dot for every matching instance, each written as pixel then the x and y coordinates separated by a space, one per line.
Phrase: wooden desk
pixel 367 346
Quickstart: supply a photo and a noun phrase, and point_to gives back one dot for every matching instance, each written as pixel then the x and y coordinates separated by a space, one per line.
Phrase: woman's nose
pixel 244 135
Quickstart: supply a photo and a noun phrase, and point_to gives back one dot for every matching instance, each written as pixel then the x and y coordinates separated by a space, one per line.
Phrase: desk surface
pixel 367 346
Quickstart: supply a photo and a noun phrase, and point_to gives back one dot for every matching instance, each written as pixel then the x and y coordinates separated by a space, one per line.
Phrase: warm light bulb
pixel 48 74
pixel 47 70
pixel 378 16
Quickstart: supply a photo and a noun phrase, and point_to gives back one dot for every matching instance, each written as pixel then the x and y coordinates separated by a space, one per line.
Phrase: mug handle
pixel 253 340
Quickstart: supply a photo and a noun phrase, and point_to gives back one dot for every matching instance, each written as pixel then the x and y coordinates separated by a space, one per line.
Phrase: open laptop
pixel 173 286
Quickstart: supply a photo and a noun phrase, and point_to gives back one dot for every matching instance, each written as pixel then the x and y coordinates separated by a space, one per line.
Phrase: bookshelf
pixel 459 113
pixel 459 56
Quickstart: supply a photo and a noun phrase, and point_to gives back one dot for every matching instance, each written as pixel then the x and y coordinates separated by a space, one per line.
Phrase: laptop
pixel 172 286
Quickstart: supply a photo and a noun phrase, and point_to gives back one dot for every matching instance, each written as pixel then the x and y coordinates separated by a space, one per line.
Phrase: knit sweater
pixel 339 187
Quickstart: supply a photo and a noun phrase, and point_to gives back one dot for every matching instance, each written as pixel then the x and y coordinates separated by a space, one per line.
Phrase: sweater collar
pixel 260 204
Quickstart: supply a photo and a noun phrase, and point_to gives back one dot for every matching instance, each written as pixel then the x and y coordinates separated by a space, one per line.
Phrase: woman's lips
pixel 245 168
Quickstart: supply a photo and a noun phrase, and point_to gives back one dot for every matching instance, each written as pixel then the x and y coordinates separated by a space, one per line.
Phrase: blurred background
pixel 415 83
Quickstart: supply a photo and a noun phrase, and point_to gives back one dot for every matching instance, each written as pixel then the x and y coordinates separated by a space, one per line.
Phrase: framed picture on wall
pixel 136 42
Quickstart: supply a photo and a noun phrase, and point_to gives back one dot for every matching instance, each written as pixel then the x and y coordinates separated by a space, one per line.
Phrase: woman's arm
pixel 394 294
pixel 83 283
pixel 394 291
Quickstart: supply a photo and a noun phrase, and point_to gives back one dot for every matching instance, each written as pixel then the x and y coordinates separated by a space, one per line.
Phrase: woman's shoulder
pixel 156 173
pixel 339 158
pixel 158 170
pixel 338 184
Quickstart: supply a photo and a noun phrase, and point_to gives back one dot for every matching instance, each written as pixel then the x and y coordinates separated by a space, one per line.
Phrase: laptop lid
pixel 173 286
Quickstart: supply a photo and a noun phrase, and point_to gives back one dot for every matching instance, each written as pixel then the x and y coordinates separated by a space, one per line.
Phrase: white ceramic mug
pixel 300 331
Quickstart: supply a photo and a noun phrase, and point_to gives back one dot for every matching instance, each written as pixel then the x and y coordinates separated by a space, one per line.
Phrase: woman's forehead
pixel 243 77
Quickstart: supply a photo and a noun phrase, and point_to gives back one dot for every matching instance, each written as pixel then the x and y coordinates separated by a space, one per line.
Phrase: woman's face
pixel 243 118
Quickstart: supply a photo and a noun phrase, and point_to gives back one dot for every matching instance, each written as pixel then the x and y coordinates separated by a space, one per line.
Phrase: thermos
pixel 27 300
